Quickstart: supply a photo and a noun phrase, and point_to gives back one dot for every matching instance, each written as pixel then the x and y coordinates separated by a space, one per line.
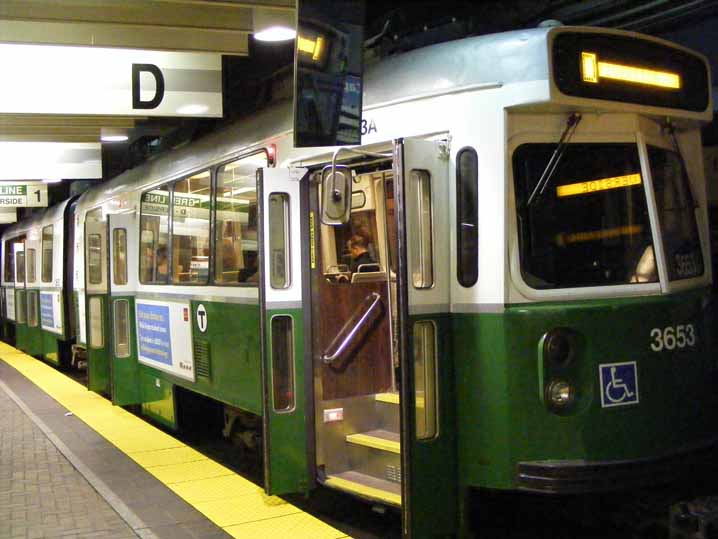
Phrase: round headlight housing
pixel 557 346
pixel 560 394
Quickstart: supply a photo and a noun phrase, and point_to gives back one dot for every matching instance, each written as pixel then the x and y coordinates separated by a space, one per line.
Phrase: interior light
pixel 114 138
pixel 592 70
pixel 314 47
pixel 276 33
pixel 604 184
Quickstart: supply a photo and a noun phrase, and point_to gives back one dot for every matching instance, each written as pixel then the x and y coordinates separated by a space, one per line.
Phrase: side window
pixel 31 259
pixel 47 254
pixel 279 264
pixel 154 234
pixel 236 256
pixel 20 265
pixel 94 258
pixel 467 216
pixel 190 229
pixel 119 256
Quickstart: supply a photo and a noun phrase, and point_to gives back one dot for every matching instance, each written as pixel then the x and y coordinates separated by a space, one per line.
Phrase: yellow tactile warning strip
pixel 232 502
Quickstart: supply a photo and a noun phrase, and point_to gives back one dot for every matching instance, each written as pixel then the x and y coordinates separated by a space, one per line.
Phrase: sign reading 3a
pixel 127 82
pixel 23 195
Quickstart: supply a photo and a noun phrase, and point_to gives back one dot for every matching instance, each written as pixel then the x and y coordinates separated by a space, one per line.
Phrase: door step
pixel 377 439
pixel 390 398
pixel 366 486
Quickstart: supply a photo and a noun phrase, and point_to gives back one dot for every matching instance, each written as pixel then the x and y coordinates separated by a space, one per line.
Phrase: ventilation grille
pixel 202 358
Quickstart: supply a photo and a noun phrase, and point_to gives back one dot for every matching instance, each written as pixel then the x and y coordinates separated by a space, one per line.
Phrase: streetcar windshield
pixel 676 210
pixel 590 225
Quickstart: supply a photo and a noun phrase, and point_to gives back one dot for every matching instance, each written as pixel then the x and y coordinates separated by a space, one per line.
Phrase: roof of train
pixel 50 215
pixel 507 57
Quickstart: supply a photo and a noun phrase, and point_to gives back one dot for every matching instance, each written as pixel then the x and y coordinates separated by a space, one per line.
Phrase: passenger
pixel 359 252
pixel 162 263
pixel 249 273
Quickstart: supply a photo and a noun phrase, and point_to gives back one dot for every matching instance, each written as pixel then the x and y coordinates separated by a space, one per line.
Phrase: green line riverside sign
pixel 23 195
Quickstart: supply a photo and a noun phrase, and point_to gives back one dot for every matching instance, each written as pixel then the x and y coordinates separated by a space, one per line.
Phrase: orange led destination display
pixel 593 70
pixel 604 184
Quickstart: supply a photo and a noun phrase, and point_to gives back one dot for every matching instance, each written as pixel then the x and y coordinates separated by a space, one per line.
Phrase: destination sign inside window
pixel 629 69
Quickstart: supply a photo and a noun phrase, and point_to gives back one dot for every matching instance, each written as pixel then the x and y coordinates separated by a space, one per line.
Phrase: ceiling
pixel 221 26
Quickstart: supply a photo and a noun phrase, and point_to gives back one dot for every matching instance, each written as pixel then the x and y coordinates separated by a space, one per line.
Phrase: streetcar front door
pixel 282 298
pixel 96 296
pixel 383 385
pixel 123 286
pixel 20 301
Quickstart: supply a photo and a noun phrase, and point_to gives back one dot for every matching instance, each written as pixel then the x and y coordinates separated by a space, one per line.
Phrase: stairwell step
pixel 391 398
pixel 383 440
pixel 366 486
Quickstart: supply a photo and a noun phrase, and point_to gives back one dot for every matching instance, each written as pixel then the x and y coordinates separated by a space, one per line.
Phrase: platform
pixel 74 465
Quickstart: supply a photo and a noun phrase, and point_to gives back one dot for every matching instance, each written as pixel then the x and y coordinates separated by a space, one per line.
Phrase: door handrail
pixel 351 327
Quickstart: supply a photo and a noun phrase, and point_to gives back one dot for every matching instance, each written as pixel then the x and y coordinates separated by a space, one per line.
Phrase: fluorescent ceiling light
pixel 52 180
pixel 192 108
pixel 114 138
pixel 275 33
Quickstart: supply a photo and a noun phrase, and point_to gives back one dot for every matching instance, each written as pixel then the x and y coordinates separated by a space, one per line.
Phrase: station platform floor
pixel 72 465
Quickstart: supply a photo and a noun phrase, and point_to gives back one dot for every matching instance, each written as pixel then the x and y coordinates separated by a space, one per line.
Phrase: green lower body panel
pixel 51 348
pixel 158 401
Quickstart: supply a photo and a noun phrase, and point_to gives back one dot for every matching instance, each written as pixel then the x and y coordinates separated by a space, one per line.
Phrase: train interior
pixel 355 343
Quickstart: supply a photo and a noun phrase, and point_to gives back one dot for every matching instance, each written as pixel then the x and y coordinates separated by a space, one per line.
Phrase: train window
pixel 282 363
pixel 97 339
pixel 589 224
pixel 20 265
pixel 676 208
pixel 122 328
pixel 32 308
pixel 467 216
pixel 425 396
pixel 94 258
pixel 279 262
pixel 47 254
pixel 154 234
pixel 20 307
pixel 31 259
pixel 9 261
pixel 190 229
pixel 236 256
pixel 422 263
pixel 119 256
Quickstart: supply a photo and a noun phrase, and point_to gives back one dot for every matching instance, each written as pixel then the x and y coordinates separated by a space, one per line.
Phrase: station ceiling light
pixel 273 25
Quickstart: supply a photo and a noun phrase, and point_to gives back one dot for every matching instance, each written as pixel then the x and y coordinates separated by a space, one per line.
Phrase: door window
pixel 190 229
pixel 422 260
pixel 47 254
pixel 32 308
pixel 122 328
pixel 94 258
pixel 154 234
pixel 467 216
pixel 20 265
pixel 97 339
pixel 279 263
pixel 31 265
pixel 119 256
pixel 282 364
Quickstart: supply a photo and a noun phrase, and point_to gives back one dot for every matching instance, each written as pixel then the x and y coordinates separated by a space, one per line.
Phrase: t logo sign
pixel 153 103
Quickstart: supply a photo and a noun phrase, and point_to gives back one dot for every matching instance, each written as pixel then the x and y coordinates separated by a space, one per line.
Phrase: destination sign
pixel 33 195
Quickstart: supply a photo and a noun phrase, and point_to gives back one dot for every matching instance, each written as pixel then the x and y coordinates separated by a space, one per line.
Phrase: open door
pixel 97 298
pixel 428 435
pixel 286 466
pixel 123 286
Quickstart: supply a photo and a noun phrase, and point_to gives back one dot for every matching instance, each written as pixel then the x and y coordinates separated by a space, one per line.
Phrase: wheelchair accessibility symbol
pixel 619 384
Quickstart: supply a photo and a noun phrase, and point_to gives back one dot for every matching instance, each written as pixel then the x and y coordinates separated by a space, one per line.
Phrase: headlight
pixel 560 394
pixel 557 346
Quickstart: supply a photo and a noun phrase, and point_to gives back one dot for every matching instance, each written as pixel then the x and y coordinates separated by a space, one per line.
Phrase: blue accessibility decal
pixel 619 384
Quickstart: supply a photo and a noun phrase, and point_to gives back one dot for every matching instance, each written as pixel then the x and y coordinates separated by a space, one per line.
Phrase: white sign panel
pixel 164 337
pixel 8 215
pixel 10 303
pixel 43 79
pixel 43 160
pixel 23 194
pixel 51 311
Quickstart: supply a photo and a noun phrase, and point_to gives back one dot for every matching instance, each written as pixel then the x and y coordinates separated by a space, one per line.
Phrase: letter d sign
pixel 153 103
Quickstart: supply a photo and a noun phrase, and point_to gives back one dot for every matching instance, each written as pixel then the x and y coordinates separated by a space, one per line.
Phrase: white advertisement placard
pixel 51 311
pixel 10 303
pixel 109 81
pixel 164 336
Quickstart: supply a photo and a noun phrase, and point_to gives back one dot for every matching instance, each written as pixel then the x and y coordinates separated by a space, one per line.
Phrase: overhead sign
pixel 8 215
pixel 42 79
pixel 43 160
pixel 25 195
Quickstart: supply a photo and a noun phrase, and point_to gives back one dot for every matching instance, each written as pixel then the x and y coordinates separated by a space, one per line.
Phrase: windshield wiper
pixel 561 146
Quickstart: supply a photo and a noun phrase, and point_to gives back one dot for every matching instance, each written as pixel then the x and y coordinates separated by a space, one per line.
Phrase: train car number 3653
pixel 671 337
